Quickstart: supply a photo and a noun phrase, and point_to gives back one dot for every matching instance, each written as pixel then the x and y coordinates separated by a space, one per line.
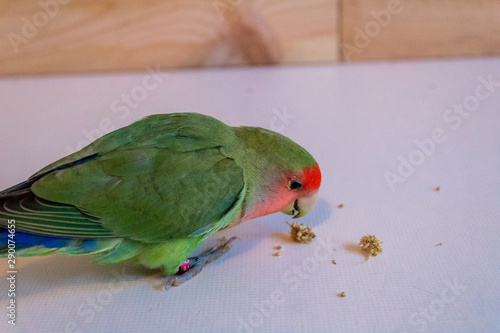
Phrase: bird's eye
pixel 295 184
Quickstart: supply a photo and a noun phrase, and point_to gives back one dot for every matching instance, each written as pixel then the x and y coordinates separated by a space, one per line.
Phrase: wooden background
pixel 69 36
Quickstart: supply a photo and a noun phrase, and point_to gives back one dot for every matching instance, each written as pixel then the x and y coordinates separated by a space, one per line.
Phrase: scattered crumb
pixel 301 233
pixel 340 206
pixel 438 244
pixel 333 262
pixel 342 294
pixel 437 188
pixel 277 254
pixel 279 247
pixel 371 244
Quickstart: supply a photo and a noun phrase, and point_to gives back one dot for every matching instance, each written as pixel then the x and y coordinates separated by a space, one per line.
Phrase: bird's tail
pixel 38 220
pixel 23 244
pixel 17 241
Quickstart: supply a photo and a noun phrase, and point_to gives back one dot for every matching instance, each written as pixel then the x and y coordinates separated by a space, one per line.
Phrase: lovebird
pixel 154 191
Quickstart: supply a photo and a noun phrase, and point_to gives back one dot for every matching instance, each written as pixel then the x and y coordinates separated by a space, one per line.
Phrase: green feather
pixel 36 215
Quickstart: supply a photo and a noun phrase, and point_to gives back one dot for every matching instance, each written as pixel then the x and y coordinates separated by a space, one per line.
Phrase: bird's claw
pixel 197 264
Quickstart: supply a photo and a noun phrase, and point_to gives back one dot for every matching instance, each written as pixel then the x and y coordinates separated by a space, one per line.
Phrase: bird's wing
pixel 177 183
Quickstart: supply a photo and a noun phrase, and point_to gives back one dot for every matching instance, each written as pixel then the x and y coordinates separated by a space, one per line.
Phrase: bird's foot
pixel 192 266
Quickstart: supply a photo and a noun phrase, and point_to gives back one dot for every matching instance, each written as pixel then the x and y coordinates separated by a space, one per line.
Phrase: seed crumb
pixel 277 254
pixel 370 244
pixel 279 247
pixel 437 188
pixel 340 206
pixel 301 233
pixel 333 262
pixel 438 244
pixel 342 294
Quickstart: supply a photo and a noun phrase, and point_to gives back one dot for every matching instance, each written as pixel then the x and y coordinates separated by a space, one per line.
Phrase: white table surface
pixel 358 121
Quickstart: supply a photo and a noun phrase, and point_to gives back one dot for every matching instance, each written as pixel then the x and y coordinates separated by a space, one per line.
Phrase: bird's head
pixel 288 177
pixel 303 187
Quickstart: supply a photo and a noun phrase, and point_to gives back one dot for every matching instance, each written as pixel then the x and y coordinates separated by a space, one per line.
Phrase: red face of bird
pixel 303 189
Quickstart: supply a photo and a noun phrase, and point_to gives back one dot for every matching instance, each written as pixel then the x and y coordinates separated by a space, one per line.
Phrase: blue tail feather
pixel 25 240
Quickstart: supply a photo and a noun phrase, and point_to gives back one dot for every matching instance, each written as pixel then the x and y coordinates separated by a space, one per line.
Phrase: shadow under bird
pixel 154 191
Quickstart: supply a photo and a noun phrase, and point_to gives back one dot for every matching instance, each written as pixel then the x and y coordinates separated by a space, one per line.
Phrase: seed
pixel 301 233
pixel 370 244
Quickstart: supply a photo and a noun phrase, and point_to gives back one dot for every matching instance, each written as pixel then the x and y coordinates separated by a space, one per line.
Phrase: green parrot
pixel 154 191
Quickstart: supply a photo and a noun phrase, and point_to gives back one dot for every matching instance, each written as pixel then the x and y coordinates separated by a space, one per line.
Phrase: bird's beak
pixel 302 206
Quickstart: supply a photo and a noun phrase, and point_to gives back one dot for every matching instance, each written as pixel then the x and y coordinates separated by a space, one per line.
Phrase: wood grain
pixel 420 29
pixel 67 36
pixel 71 36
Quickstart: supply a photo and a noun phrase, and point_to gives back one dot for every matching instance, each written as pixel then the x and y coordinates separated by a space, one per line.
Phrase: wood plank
pixel 419 29
pixel 65 36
